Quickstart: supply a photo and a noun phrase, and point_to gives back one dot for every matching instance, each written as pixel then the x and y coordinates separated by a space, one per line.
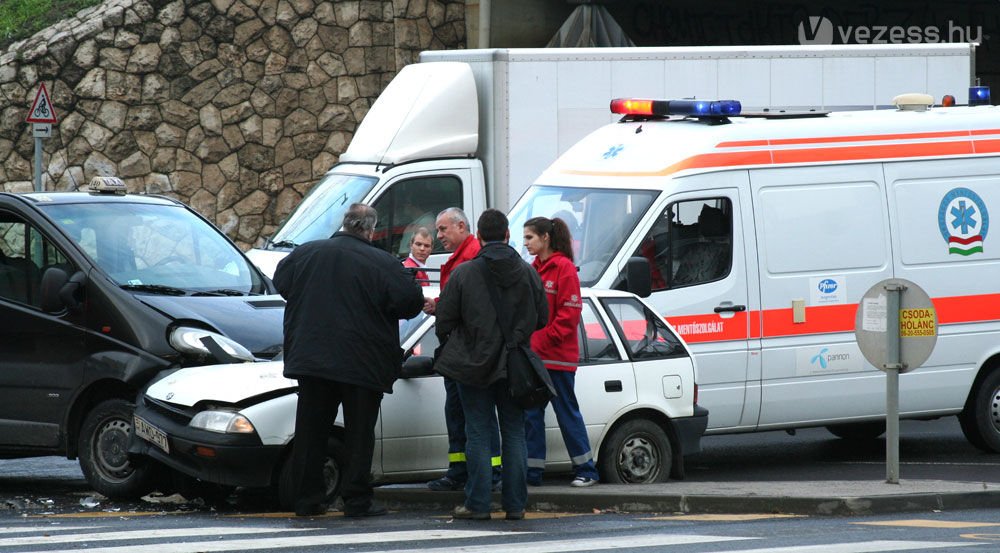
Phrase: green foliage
pixel 20 19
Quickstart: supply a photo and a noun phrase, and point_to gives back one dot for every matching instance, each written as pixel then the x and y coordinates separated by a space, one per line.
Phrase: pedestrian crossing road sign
pixel 41 109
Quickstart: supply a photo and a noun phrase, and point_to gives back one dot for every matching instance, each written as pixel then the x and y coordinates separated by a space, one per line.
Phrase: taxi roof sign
pixel 41 109
pixel 108 185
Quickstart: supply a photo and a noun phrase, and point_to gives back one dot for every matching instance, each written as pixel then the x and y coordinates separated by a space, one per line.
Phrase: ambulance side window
pixel 690 243
pixel 411 204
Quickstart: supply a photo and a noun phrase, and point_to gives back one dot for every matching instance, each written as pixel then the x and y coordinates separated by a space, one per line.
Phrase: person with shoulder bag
pixel 550 242
pixel 474 354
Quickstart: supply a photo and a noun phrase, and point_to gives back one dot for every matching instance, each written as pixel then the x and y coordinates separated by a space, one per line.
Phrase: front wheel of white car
pixel 635 452
pixel 104 437
pixel 333 471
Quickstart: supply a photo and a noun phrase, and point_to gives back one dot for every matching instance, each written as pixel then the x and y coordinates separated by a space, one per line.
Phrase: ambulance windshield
pixel 599 219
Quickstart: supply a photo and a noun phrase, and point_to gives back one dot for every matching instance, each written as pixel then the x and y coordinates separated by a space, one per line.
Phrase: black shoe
pixel 445 484
pixel 373 510
pixel 310 510
pixel 515 515
pixel 463 513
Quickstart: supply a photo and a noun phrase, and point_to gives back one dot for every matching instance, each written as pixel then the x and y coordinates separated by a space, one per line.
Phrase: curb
pixel 557 501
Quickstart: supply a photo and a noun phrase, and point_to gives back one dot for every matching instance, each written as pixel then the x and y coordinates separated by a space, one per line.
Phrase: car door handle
pixel 612 385
pixel 730 308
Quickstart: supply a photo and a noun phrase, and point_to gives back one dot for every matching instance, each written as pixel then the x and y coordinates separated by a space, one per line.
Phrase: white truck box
pixel 533 104
pixel 760 236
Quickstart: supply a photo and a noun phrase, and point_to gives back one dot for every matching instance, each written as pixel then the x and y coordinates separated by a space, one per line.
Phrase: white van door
pixel 700 263
pixel 823 240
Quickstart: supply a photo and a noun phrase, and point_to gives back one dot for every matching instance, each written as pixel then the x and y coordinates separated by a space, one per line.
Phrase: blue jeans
pixel 574 431
pixel 481 406
pixel 454 418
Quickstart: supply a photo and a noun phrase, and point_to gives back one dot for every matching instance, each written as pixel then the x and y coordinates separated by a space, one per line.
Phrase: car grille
pixel 176 413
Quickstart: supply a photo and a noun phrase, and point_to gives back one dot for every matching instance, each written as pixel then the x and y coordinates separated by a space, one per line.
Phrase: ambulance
pixel 762 231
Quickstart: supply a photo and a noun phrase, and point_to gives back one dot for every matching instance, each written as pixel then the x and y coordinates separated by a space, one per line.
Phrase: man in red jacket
pixel 455 235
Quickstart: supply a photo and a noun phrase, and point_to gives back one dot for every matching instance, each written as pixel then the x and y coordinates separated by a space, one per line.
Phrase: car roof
pixel 602 293
pixel 51 198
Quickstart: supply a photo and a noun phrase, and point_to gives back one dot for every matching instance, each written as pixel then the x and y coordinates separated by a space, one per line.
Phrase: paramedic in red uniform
pixel 455 235
pixel 550 242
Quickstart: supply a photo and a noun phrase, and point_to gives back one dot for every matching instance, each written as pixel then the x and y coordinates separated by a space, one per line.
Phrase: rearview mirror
pixel 638 279
pixel 58 290
pixel 418 365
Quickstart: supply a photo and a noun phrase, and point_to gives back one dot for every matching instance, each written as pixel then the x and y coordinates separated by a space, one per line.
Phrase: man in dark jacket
pixel 472 356
pixel 344 301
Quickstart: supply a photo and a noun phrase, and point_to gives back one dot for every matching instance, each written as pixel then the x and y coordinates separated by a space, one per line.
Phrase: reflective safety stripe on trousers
pixel 460 458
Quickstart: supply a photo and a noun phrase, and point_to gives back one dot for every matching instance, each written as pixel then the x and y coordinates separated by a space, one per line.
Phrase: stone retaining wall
pixel 233 106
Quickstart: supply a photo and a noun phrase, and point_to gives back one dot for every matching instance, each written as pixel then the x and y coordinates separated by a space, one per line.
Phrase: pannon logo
pixel 964 221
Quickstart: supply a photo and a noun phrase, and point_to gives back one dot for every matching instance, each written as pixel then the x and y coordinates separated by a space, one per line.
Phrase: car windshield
pixel 599 220
pixel 408 326
pixel 322 211
pixel 157 248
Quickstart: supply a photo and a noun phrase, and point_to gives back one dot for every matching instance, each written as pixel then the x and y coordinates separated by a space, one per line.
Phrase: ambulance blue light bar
pixel 979 95
pixel 689 108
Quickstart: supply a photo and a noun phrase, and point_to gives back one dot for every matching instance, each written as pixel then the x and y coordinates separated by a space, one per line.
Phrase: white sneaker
pixel 582 482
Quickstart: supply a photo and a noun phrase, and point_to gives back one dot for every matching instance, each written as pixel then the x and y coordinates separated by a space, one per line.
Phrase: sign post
pixel 896 329
pixel 42 116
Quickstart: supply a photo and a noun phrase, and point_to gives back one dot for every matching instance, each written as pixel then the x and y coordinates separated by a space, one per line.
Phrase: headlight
pixel 225 422
pixel 187 339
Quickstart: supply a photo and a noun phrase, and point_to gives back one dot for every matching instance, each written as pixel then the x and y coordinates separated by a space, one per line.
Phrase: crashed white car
pixel 233 425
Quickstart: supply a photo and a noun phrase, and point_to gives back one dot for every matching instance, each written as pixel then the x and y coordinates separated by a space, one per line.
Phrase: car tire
pixel 333 471
pixel 103 453
pixel 858 430
pixel 637 451
pixel 980 420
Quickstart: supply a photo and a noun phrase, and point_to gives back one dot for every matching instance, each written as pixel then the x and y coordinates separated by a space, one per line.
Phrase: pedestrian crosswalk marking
pixel 722 518
pixel 111 514
pixel 138 534
pixel 296 542
pixel 530 515
pixel 919 523
pixel 583 544
pixel 858 547
pixel 53 528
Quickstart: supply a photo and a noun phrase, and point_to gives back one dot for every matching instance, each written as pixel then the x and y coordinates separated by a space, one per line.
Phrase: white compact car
pixel 233 425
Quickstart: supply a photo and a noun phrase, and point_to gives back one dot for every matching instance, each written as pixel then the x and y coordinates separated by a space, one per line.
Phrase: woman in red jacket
pixel 549 240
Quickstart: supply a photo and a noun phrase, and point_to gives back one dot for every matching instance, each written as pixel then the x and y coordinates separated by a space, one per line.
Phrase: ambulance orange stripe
pixel 858 138
pixel 782 156
pixel 821 319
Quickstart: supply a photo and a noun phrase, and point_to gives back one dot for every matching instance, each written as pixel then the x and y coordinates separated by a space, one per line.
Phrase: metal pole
pixel 38 164
pixel 892 368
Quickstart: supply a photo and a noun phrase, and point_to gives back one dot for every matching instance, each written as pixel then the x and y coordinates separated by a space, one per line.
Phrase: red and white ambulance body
pixel 763 233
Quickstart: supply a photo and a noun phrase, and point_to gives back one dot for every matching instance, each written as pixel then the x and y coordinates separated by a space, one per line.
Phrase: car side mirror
pixel 58 290
pixel 638 278
pixel 418 365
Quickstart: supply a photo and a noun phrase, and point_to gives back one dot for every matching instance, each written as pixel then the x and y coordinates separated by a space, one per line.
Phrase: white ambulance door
pixel 823 240
pixel 700 262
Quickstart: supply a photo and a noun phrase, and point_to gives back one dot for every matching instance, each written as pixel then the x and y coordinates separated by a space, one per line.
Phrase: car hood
pixel 229 383
pixel 253 321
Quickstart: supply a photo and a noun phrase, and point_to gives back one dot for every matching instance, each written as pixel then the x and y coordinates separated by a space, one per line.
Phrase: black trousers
pixel 319 401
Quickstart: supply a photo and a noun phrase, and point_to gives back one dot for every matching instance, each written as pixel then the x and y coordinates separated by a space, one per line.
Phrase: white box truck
pixel 474 128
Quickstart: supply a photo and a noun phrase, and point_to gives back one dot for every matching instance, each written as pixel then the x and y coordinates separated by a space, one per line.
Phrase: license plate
pixel 151 434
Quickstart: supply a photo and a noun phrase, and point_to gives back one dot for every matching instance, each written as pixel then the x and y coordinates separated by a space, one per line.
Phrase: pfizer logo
pixel 827 286
pixel 816 29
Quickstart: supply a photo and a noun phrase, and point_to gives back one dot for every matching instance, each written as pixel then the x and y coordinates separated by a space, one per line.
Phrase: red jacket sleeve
pixel 560 334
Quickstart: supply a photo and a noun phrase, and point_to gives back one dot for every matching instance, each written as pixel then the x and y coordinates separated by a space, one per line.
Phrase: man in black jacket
pixel 344 301
pixel 472 356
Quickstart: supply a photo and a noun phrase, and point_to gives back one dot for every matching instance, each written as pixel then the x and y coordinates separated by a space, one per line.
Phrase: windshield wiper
pixel 156 289
pixel 219 292
pixel 283 244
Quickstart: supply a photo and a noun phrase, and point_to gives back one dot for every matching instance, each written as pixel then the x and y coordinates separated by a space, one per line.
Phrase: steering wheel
pixel 647 339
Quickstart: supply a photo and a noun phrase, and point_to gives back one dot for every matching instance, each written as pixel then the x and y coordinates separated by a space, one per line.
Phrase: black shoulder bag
pixel 528 380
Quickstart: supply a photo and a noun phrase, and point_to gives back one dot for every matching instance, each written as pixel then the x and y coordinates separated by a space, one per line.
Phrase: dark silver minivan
pixel 99 292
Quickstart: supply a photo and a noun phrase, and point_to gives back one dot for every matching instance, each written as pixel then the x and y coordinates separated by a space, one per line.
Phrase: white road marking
pixel 26 529
pixel 857 547
pixel 583 544
pixel 299 541
pixel 139 535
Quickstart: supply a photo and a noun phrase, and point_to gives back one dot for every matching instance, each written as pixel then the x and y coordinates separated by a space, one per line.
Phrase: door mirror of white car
pixel 418 365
